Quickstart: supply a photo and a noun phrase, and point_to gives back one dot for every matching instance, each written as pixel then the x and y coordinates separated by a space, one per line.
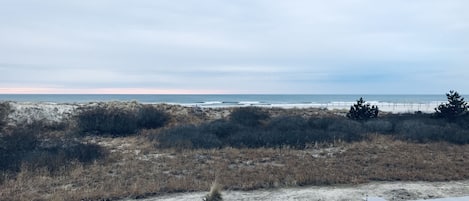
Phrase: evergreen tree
pixel 362 111
pixel 455 107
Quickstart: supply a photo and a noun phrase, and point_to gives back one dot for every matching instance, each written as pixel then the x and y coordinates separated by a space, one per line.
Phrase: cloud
pixel 256 46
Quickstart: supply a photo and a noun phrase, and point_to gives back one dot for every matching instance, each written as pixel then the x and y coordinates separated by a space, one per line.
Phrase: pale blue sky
pixel 234 46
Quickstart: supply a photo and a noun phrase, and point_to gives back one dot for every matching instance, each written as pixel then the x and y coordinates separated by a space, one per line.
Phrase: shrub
pixel 426 130
pixel 22 146
pixel 221 128
pixel 345 129
pixel 456 106
pixel 4 111
pixel 288 123
pixel 59 156
pixel 14 146
pixel 187 137
pixel 362 111
pixel 115 121
pixel 246 138
pixel 248 116
pixel 150 117
pixel 107 120
pixel 380 126
pixel 293 131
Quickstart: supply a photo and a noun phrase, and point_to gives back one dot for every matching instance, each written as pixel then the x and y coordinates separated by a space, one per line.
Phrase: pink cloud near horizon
pixel 27 90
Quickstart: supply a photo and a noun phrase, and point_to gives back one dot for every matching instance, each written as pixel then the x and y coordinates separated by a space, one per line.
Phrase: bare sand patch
pixel 391 191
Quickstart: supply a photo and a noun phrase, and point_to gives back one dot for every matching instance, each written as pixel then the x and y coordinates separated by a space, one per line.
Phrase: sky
pixel 234 46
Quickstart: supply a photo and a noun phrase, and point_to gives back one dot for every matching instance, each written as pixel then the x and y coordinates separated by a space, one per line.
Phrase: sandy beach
pixel 374 191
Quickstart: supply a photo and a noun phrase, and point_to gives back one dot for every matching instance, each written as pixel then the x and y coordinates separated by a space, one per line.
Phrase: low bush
pixel 149 117
pixel 249 116
pixel 21 146
pixel 427 130
pixel 187 137
pixel 60 156
pixel 4 111
pixel 380 126
pixel 293 131
pixel 107 120
pixel 246 138
pixel 115 121
pixel 221 128
pixel 14 146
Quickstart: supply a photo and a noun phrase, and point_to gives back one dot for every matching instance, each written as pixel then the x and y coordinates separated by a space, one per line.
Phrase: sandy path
pixel 391 191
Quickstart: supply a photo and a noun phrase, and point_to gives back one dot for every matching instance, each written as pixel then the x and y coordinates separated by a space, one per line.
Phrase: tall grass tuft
pixel 215 193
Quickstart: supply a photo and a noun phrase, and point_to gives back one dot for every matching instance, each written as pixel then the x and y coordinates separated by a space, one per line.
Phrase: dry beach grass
pixel 131 173
pixel 135 167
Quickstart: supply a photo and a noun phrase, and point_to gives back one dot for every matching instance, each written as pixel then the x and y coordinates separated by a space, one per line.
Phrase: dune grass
pixel 290 149
pixel 128 174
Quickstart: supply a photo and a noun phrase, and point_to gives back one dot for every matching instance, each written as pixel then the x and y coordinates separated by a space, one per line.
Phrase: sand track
pixel 391 191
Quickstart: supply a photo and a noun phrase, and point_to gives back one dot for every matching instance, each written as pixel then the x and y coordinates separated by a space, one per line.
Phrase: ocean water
pixel 393 103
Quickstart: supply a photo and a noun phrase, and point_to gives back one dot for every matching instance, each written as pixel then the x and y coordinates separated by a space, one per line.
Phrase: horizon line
pixel 144 91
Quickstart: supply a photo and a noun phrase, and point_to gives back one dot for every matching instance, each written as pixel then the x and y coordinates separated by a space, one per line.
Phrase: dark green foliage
pixel 115 121
pixel 455 108
pixel 249 116
pixel 150 117
pixel 361 111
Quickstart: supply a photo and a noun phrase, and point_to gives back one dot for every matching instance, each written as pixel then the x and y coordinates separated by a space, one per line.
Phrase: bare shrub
pixel 116 121
pixel 110 120
pixel 245 139
pixel 293 131
pixel 61 155
pixel 249 116
pixel 14 146
pixel 432 130
pixel 4 111
pixel 381 126
pixel 27 145
pixel 149 117
pixel 345 129
pixel 221 128
pixel 186 137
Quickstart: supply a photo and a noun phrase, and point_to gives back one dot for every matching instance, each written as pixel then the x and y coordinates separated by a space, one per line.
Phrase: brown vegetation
pixel 130 173
pixel 106 167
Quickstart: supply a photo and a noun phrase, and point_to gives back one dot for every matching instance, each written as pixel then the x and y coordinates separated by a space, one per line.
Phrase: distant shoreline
pixel 386 103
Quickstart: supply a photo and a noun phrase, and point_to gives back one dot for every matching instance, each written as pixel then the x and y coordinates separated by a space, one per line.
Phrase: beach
pixel 376 167
pixel 374 191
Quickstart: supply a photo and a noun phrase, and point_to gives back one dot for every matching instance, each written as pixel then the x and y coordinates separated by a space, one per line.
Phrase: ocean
pixel 393 103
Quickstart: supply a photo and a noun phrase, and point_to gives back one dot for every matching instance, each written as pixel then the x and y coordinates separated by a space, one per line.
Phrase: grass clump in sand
pixel 215 193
